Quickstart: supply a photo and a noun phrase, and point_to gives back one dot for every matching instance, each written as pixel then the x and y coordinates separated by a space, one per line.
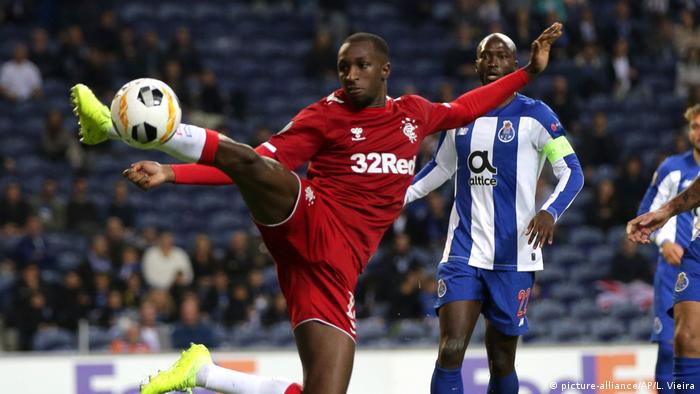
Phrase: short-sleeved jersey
pixel 364 160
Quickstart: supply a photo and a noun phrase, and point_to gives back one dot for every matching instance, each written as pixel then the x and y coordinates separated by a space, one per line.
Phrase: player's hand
pixel 672 252
pixel 540 229
pixel 640 228
pixel 149 174
pixel 539 56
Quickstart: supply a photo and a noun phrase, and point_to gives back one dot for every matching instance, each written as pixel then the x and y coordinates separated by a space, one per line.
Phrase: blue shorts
pixel 504 294
pixel 687 286
pixel 664 282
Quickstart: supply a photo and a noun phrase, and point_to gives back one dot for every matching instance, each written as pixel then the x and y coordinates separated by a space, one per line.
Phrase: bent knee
pixel 452 351
pixel 686 341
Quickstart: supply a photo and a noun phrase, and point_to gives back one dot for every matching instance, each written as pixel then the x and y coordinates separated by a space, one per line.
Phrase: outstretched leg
pixel 686 346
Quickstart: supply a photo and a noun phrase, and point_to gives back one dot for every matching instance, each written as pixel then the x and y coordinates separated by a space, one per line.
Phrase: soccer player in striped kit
pixel 686 290
pixel 673 176
pixel 495 234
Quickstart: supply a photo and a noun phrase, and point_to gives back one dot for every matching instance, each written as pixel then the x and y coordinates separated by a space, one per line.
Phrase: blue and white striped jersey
pixel 498 159
pixel 673 176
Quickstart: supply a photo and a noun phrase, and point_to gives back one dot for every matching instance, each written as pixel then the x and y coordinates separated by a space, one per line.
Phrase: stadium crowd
pixel 156 270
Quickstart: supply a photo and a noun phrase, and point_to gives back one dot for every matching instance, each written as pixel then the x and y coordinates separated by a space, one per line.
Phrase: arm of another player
pixel 663 187
pixel 438 170
pixel 640 228
pixel 477 102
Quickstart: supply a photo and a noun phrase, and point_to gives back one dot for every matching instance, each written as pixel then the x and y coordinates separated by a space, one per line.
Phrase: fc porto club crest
pixel 658 326
pixel 681 282
pixel 442 288
pixel 506 133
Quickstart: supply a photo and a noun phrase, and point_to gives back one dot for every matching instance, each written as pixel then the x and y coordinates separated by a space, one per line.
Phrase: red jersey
pixel 364 160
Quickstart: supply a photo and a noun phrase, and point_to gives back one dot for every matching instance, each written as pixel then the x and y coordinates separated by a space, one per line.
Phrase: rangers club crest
pixel 442 288
pixel 681 282
pixel 409 129
pixel 309 194
pixel 506 133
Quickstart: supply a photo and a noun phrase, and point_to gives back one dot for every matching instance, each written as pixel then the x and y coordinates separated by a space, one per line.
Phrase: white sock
pixel 228 381
pixel 186 143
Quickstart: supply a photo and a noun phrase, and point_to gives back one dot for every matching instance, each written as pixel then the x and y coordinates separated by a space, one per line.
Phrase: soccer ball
pixel 145 113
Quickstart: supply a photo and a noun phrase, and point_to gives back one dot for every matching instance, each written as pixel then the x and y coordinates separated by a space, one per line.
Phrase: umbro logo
pixel 357 134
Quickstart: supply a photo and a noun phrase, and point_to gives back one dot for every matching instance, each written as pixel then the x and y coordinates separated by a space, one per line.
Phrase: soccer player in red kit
pixel 361 146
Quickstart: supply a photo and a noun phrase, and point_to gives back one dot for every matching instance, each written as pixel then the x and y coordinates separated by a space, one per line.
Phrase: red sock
pixel 293 389
pixel 211 144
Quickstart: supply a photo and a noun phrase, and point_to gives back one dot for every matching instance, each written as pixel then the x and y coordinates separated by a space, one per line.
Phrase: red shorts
pixel 316 266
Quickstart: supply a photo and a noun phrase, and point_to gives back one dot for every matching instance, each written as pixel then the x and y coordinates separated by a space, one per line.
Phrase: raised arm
pixel 477 102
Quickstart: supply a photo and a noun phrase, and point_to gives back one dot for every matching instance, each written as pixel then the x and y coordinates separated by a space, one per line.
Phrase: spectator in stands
pixel 598 147
pixel 394 266
pixel 658 39
pixel 134 291
pixel 97 72
pixel 591 71
pixel 128 55
pixel 217 297
pixel 162 263
pixel 623 72
pixel 276 311
pixel 584 30
pixel 14 209
pixel 238 259
pixel 38 314
pixel 172 75
pixel 107 38
pixel 150 55
pixel 204 262
pixel 210 102
pixel 130 339
pixel 260 135
pixel 116 240
pixel 107 316
pixel 405 300
pixel 239 306
pixel 130 264
pixel 20 79
pixel 148 318
pixel 101 285
pixel 22 318
pixel 631 185
pixel 58 144
pixel 321 58
pixel 629 265
pixel 688 71
pixel 98 258
pixel 49 206
pixel 183 50
pixel 563 103
pixel 81 211
pixel 686 33
pixel 427 227
pixel 622 26
pixel 163 303
pixel 604 211
pixel 43 54
pixel 33 247
pixel 416 12
pixel 190 328
pixel 120 207
pixel 73 53
pixel 75 301
pixel 459 60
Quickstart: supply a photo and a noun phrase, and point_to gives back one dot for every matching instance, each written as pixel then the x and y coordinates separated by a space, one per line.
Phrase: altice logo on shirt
pixel 479 162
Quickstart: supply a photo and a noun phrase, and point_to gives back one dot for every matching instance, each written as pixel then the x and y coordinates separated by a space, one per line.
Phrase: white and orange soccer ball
pixel 145 113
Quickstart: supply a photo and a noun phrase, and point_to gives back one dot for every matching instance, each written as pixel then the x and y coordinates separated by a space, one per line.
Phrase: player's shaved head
pixel 500 36
pixel 379 43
